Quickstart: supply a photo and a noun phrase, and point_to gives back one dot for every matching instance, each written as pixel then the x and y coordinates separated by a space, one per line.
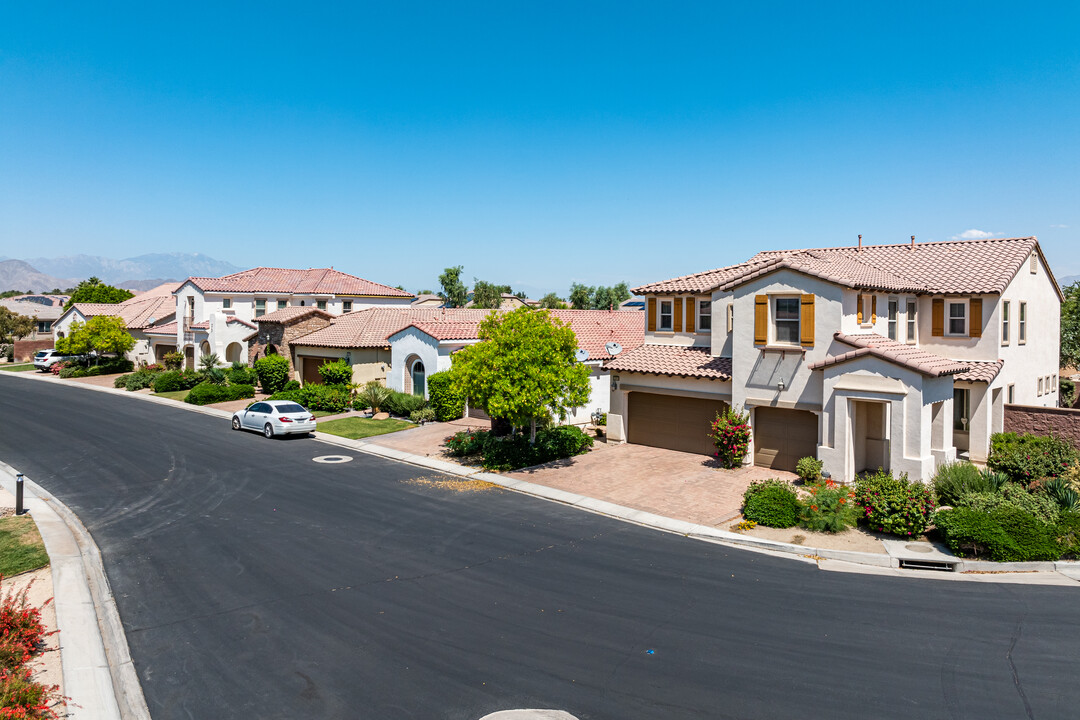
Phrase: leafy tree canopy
pixel 488 296
pixel 551 301
pixel 523 367
pixel 14 325
pixel 103 333
pixel 95 291
pixel 585 297
pixel 453 293
pixel 1070 327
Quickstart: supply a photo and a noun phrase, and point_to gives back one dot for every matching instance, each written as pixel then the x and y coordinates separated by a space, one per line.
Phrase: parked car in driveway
pixel 275 417
pixel 45 359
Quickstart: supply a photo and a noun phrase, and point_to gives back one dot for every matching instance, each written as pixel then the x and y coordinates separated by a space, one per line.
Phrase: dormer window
pixel 666 316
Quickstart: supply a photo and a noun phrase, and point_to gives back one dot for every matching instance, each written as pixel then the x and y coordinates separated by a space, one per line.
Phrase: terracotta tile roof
pixel 981 372
pixel 166 329
pixel 137 312
pixel 372 327
pixel 33 309
pixel 292 313
pixel 241 321
pixel 674 360
pixel 958 267
pixel 907 356
pixel 315 281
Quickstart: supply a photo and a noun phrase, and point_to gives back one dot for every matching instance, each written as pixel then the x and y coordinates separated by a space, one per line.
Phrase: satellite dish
pixel 613 348
pixel 582 355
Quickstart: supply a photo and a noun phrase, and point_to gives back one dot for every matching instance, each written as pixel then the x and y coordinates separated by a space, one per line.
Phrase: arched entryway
pixel 415 376
pixel 232 353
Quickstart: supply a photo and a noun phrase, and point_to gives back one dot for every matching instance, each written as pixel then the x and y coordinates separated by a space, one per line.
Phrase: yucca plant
pixel 1062 493
pixel 959 478
pixel 375 395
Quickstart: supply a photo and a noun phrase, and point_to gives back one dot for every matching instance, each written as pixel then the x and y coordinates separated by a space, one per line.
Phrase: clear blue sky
pixel 535 143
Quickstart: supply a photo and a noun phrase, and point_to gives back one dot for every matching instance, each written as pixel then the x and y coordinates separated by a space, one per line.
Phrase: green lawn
pixel 21 548
pixel 355 428
pixel 17 368
pixel 323 413
pixel 178 395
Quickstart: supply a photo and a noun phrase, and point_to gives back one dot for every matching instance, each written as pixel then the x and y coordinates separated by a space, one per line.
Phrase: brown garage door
pixel 311 369
pixel 782 437
pixel 672 422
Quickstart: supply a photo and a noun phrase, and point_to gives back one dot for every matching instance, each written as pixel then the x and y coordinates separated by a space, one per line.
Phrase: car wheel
pixel 268 430
pixel 236 423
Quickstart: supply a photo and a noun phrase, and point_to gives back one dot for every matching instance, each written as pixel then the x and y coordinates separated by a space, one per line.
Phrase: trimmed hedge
pixel 514 451
pixel 772 503
pixel 173 380
pixel 109 366
pixel 336 373
pixel 445 396
pixel 273 372
pixel 207 393
pixel 324 398
pixel 1006 534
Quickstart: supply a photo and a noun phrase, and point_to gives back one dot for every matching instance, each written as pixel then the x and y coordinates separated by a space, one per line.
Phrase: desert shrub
pixel 510 452
pixel 359 403
pixel 893 504
pixel 325 398
pixel 273 372
pixel 971 533
pixel 172 360
pixel 206 393
pixel 772 503
pixel 446 398
pixel 731 436
pixel 422 415
pixel 1062 494
pixel 121 381
pixel 240 374
pixel 1067 534
pixel 829 507
pixel 291 385
pixel 466 442
pixel 958 478
pixel 1071 475
pixel 1067 392
pixel 173 380
pixel 561 441
pixel 1029 457
pixel 1013 496
pixel 809 469
pixel 208 361
pixel 403 404
pixel 1034 538
pixel 214 376
pixel 375 395
pixel 21 635
pixel 336 373
pixel 141 378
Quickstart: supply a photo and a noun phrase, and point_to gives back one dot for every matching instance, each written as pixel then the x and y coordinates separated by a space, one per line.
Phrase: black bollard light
pixel 19 494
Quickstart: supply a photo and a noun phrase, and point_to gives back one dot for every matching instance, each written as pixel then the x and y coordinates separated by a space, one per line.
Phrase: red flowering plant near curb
pixel 731 436
pixel 895 505
pixel 21 637
pixel 829 507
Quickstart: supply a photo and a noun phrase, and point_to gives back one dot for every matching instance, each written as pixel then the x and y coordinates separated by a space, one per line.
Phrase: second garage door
pixel 311 367
pixel 672 422
pixel 782 437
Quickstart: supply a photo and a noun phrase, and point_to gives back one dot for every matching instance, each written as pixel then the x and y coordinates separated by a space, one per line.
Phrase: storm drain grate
pixel 939 565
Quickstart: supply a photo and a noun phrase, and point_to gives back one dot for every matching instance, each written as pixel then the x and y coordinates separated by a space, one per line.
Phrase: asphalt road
pixel 254 583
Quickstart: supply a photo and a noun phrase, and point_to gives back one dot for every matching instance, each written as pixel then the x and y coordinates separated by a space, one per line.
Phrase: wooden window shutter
pixel 652 314
pixel 761 319
pixel 975 322
pixel 691 313
pixel 937 317
pixel 858 311
pixel 806 321
pixel 873 308
pixel 677 312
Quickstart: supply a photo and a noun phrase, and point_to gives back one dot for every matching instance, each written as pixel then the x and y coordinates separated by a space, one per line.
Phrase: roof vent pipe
pixel 860 243
pixel 912 242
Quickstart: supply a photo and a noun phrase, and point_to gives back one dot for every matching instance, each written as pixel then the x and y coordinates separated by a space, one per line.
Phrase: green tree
pixel 103 333
pixel 1070 327
pixel 523 368
pixel 454 293
pixel 14 325
pixel 551 301
pixel 581 296
pixel 487 296
pixel 95 291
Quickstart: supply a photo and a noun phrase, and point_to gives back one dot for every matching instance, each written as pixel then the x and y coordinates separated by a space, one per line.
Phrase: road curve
pixel 255 583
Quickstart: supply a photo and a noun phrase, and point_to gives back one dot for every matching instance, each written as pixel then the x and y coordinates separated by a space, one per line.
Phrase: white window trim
pixel 1040 390
pixel 1006 322
pixel 730 316
pixel 1021 324
pixel 867 309
pixel 911 320
pixel 949 318
pixel 1010 394
pixel 660 314
pixel 893 321
pixel 698 314
pixel 772 321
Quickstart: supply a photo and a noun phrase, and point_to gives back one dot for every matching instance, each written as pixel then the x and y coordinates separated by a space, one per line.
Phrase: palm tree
pixel 375 395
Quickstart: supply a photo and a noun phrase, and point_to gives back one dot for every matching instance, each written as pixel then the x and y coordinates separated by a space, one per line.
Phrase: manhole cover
pixel 332 459
pixel 919 547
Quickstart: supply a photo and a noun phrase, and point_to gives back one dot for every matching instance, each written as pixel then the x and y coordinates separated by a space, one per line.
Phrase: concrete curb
pixel 99 675
pixel 1068 569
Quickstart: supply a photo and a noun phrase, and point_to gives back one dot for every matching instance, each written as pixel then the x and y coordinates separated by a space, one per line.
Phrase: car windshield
pixel 290 408
pixel 42 353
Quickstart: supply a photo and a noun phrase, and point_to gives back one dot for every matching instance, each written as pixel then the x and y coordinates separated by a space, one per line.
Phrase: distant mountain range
pixel 137 273
pixel 1068 280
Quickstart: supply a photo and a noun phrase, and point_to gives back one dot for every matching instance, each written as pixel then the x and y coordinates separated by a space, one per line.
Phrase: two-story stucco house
pixel 895 356
pixel 217 315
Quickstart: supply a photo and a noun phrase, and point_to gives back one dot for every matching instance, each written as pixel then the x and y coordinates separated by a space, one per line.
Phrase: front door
pixel 418 378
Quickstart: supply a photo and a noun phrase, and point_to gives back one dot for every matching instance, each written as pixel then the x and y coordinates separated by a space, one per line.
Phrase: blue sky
pixel 534 143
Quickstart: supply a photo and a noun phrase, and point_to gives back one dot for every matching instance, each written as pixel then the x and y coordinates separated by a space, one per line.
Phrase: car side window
pixel 260 408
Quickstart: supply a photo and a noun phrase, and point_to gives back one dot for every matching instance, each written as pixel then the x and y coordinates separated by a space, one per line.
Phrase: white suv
pixel 45 359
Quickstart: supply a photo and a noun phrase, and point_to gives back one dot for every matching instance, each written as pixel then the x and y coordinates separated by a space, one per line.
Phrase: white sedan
pixel 275 417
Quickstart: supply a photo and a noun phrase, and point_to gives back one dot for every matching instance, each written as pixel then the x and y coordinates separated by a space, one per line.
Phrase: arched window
pixel 232 353
pixel 271 350
pixel 418 378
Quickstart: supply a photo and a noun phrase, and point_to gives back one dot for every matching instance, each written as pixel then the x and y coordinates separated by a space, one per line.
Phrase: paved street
pixel 254 583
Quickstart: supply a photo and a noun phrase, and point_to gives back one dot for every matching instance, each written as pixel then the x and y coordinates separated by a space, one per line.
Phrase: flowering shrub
pixel 172 360
pixel 21 634
pixel 894 505
pixel 466 442
pixel 731 436
pixel 829 507
pixel 56 367
pixel 1029 457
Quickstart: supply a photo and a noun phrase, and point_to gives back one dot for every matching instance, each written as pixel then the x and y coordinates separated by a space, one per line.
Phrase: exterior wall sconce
pixel 614 382
pixel 348 357
pixel 780 385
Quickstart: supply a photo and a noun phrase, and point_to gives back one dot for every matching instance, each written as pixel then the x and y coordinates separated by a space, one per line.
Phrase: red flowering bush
pixel 56 367
pixel 894 505
pixel 731 436
pixel 21 635
pixel 829 507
